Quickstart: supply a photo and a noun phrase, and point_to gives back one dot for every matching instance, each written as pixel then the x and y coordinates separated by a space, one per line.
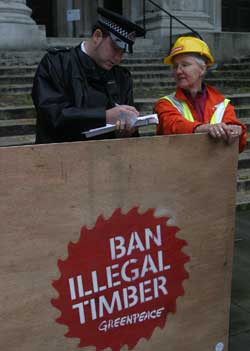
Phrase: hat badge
pixel 132 36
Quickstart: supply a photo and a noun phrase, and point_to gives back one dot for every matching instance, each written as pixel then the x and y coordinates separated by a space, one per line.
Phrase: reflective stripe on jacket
pixel 183 108
pixel 172 121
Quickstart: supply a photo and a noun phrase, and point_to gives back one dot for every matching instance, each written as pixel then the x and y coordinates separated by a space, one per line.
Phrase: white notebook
pixel 139 122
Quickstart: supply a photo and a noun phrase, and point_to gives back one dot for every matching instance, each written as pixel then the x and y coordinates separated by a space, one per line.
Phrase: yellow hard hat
pixel 185 45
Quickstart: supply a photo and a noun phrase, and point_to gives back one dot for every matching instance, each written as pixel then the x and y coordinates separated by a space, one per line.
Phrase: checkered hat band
pixel 114 27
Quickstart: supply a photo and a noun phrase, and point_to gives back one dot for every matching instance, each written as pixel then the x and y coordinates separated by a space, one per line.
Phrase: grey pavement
pixel 240 296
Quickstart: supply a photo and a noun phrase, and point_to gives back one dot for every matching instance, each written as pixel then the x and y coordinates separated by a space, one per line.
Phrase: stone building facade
pixel 199 14
pixel 27 23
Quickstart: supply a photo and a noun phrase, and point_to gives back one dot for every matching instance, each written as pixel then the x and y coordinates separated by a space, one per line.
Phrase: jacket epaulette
pixel 55 50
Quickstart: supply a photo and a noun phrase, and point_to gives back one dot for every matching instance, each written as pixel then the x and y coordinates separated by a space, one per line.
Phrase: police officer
pixel 82 88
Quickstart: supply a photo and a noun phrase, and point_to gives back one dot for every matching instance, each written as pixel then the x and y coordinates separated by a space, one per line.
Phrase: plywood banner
pixel 132 286
pixel 117 245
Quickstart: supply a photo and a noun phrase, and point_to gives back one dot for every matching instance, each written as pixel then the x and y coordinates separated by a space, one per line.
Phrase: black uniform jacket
pixel 71 94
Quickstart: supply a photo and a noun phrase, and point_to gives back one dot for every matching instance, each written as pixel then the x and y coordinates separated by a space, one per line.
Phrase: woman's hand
pixel 227 132
pixel 234 131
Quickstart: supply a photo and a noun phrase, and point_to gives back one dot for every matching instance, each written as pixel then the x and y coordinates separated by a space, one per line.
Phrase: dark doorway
pixel 42 13
pixel 113 5
pixel 235 15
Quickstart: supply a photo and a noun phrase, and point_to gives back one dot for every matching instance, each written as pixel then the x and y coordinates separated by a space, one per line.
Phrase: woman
pixel 196 107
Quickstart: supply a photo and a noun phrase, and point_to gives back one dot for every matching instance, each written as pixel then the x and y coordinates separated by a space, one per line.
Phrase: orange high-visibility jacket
pixel 171 121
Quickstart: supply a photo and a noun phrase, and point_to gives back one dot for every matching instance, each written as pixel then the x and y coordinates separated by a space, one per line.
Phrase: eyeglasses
pixel 182 66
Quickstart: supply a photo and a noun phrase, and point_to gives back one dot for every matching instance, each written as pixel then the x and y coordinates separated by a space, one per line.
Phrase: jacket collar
pixel 91 70
pixel 214 96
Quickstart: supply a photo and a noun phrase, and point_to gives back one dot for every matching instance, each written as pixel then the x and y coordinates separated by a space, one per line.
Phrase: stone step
pixel 17 112
pixel 238 96
pixel 19 126
pixel 245 59
pixel 133 60
pixel 230 84
pixel 16 115
pixel 156 80
pixel 152 74
pixel 239 99
pixel 131 63
pixel 13 74
pixel 139 47
pixel 160 89
pixel 146 103
pixel 247 147
pixel 22 126
pixel 16 79
pixel 150 67
pixel 12 58
pixel 238 66
pixel 17 140
pixel 4 123
pixel 243 74
pixel 10 116
pixel 144 87
pixel 20 94
pixel 242 201
pixel 246 121
pixel 15 99
pixel 153 66
pixel 17 58
pixel 15 88
pixel 225 82
pixel 9 58
pixel 160 72
pixel 153 85
pixel 17 70
pixel 243 186
pixel 243 113
pixel 234 66
pixel 244 159
pixel 243 174
pixel 27 126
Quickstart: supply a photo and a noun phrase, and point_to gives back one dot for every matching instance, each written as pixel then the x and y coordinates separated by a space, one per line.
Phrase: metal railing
pixel 172 17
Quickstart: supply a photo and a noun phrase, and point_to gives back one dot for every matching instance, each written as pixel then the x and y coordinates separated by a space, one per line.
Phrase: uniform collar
pixel 91 69
pixel 83 47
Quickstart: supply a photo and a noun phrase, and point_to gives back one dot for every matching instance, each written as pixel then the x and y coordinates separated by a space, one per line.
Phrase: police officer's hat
pixel 122 31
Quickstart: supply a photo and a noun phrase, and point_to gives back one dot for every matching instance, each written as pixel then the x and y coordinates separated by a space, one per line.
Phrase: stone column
pixel 200 15
pixel 89 16
pixel 17 29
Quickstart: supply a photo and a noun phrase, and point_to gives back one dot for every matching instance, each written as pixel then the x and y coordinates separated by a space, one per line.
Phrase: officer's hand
pixel 123 116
